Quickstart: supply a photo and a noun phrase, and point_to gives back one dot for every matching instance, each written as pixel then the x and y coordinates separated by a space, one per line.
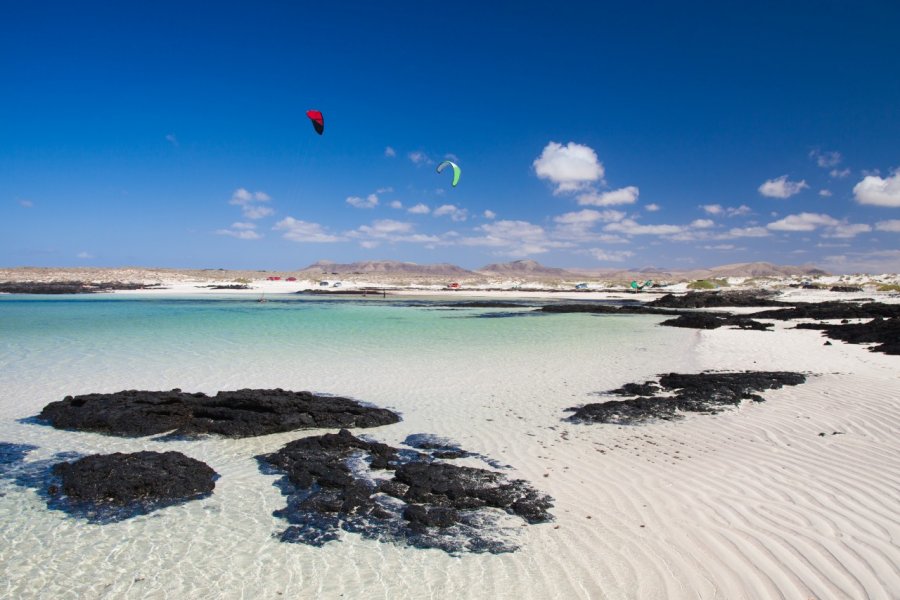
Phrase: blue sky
pixel 589 134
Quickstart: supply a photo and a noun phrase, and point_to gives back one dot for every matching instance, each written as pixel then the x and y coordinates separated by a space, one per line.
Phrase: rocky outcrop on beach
pixel 845 288
pixel 677 393
pixel 716 299
pixel 339 482
pixel 70 287
pixel 831 310
pixel 714 321
pixel 883 332
pixel 240 413
pixel 138 477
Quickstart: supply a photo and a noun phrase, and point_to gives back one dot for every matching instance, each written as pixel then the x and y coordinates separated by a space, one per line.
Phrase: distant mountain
pixel 387 267
pixel 524 268
pixel 756 269
pixel 764 269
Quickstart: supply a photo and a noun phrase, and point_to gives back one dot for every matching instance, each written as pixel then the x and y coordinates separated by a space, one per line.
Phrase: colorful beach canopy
pixel 318 121
pixel 456 170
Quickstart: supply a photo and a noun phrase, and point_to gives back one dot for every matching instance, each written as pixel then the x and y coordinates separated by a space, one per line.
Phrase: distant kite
pixel 456 170
pixel 318 121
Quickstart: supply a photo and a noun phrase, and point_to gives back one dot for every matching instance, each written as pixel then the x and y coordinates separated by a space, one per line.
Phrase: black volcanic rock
pixel 831 310
pixel 692 392
pixel 69 287
pixel 607 309
pixel 884 332
pixel 714 321
pixel 339 481
pixel 716 299
pixel 845 288
pixel 240 413
pixel 142 476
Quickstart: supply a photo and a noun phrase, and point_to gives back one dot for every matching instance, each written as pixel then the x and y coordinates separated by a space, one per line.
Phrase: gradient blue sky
pixel 590 134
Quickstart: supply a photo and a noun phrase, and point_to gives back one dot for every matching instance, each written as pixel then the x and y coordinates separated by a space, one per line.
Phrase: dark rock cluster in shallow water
pixel 883 332
pixel 339 482
pixel 240 413
pixel 678 393
pixel 108 488
pixel 140 476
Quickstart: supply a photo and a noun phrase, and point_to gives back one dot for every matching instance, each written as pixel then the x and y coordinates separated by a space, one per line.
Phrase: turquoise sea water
pixel 488 382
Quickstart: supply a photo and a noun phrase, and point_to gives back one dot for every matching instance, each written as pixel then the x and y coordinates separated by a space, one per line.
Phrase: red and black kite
pixel 318 121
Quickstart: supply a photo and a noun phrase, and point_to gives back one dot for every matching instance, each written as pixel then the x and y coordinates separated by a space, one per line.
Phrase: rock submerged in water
pixel 340 482
pixel 691 392
pixel 138 477
pixel 240 413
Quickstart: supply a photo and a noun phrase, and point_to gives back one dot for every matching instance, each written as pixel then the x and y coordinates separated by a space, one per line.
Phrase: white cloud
pixel 875 262
pixel 720 247
pixel 390 152
pixel 632 227
pixel 738 232
pixel 304 231
pixel 730 211
pixel 570 167
pixel 26 203
pixel 247 200
pixel 625 195
pixel 803 222
pixel 253 211
pixel 847 230
pixel 240 225
pixel 419 209
pixel 385 227
pixel 702 223
pixel 825 159
pixel 879 191
pixel 781 187
pixel 170 137
pixel 370 201
pixel 419 158
pixel 608 238
pixel 396 204
pixel 610 256
pixel 241 234
pixel 242 196
pixel 839 174
pixel 489 214
pixel 889 225
pixel 514 237
pixel 370 243
pixel 83 254
pixel 454 212
pixel 652 207
pixel 825 193
pixel 589 216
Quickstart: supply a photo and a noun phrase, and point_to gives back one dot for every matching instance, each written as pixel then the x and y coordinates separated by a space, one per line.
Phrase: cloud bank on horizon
pixel 663 155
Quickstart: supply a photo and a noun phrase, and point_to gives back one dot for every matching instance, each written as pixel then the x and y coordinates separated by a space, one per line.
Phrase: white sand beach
pixel 794 497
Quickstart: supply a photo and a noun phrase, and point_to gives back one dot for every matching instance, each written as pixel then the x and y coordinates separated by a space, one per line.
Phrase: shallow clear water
pixel 493 384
